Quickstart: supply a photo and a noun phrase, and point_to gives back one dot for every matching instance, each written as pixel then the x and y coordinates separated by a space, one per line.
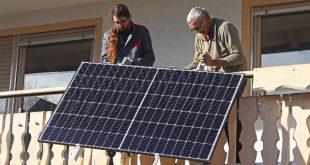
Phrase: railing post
pixel 87 156
pixel 19 129
pixel 59 152
pixel 285 125
pixel 75 157
pixel 248 112
pixel 232 136
pixel 270 114
pixel 2 126
pixel 301 113
pixel 46 152
pixel 6 139
pixel 36 125
pixel 100 157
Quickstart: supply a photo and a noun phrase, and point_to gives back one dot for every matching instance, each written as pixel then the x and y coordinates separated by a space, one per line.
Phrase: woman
pixel 127 39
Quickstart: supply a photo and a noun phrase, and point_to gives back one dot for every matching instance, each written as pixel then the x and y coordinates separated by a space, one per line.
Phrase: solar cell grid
pixel 86 96
pixel 177 113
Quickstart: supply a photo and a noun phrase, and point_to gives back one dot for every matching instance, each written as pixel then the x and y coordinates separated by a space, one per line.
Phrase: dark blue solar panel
pixel 100 103
pixel 182 114
pixel 175 113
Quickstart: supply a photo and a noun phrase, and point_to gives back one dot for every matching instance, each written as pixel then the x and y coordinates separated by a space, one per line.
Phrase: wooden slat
pixel 301 113
pixel 87 159
pixel 146 159
pixel 125 159
pixel 219 155
pixel 5 86
pixel 6 140
pixel 133 159
pixel 5 55
pixel 100 157
pixel 117 159
pixel 5 75
pixel 46 153
pixel 36 125
pixel 5 68
pixel 164 160
pixel 75 158
pixel 59 154
pixel 5 81
pixel 5 52
pixel 5 65
pixel 232 127
pixel 247 116
pixel 181 162
pixel 194 163
pixel 285 128
pixel 2 126
pixel 19 129
pixel 6 48
pixel 6 40
pixel 259 127
pixel 270 113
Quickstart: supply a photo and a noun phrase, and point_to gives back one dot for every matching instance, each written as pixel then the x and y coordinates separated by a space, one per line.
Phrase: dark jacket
pixel 138 48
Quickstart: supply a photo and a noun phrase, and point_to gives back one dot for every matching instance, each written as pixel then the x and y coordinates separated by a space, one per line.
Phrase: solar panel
pixel 171 112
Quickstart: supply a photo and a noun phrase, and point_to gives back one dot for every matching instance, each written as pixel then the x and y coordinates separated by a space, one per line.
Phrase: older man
pixel 217 43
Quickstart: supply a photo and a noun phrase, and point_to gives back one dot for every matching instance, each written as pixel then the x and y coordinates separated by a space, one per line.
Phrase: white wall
pixel 172 41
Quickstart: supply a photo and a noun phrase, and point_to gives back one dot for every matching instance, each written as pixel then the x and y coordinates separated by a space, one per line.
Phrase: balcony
pixel 275 128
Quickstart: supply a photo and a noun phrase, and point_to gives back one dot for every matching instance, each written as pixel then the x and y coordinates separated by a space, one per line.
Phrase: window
pixel 281 36
pixel 50 59
pixel 52 65
pixel 285 39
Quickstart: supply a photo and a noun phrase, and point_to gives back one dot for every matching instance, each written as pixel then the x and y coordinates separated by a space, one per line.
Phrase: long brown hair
pixel 119 10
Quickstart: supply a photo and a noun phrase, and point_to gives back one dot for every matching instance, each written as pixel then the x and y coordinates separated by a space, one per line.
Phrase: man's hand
pixel 205 58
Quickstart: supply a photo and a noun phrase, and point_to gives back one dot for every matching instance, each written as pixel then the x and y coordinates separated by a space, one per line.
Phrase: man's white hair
pixel 196 14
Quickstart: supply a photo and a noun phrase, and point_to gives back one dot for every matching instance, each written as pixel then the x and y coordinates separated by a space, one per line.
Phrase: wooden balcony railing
pixel 275 129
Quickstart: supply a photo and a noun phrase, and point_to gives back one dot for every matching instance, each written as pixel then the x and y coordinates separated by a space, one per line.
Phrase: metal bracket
pixel 126 61
pixel 77 151
pixel 156 160
pixel 259 105
pixel 290 103
pixel 282 102
pixel 201 66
